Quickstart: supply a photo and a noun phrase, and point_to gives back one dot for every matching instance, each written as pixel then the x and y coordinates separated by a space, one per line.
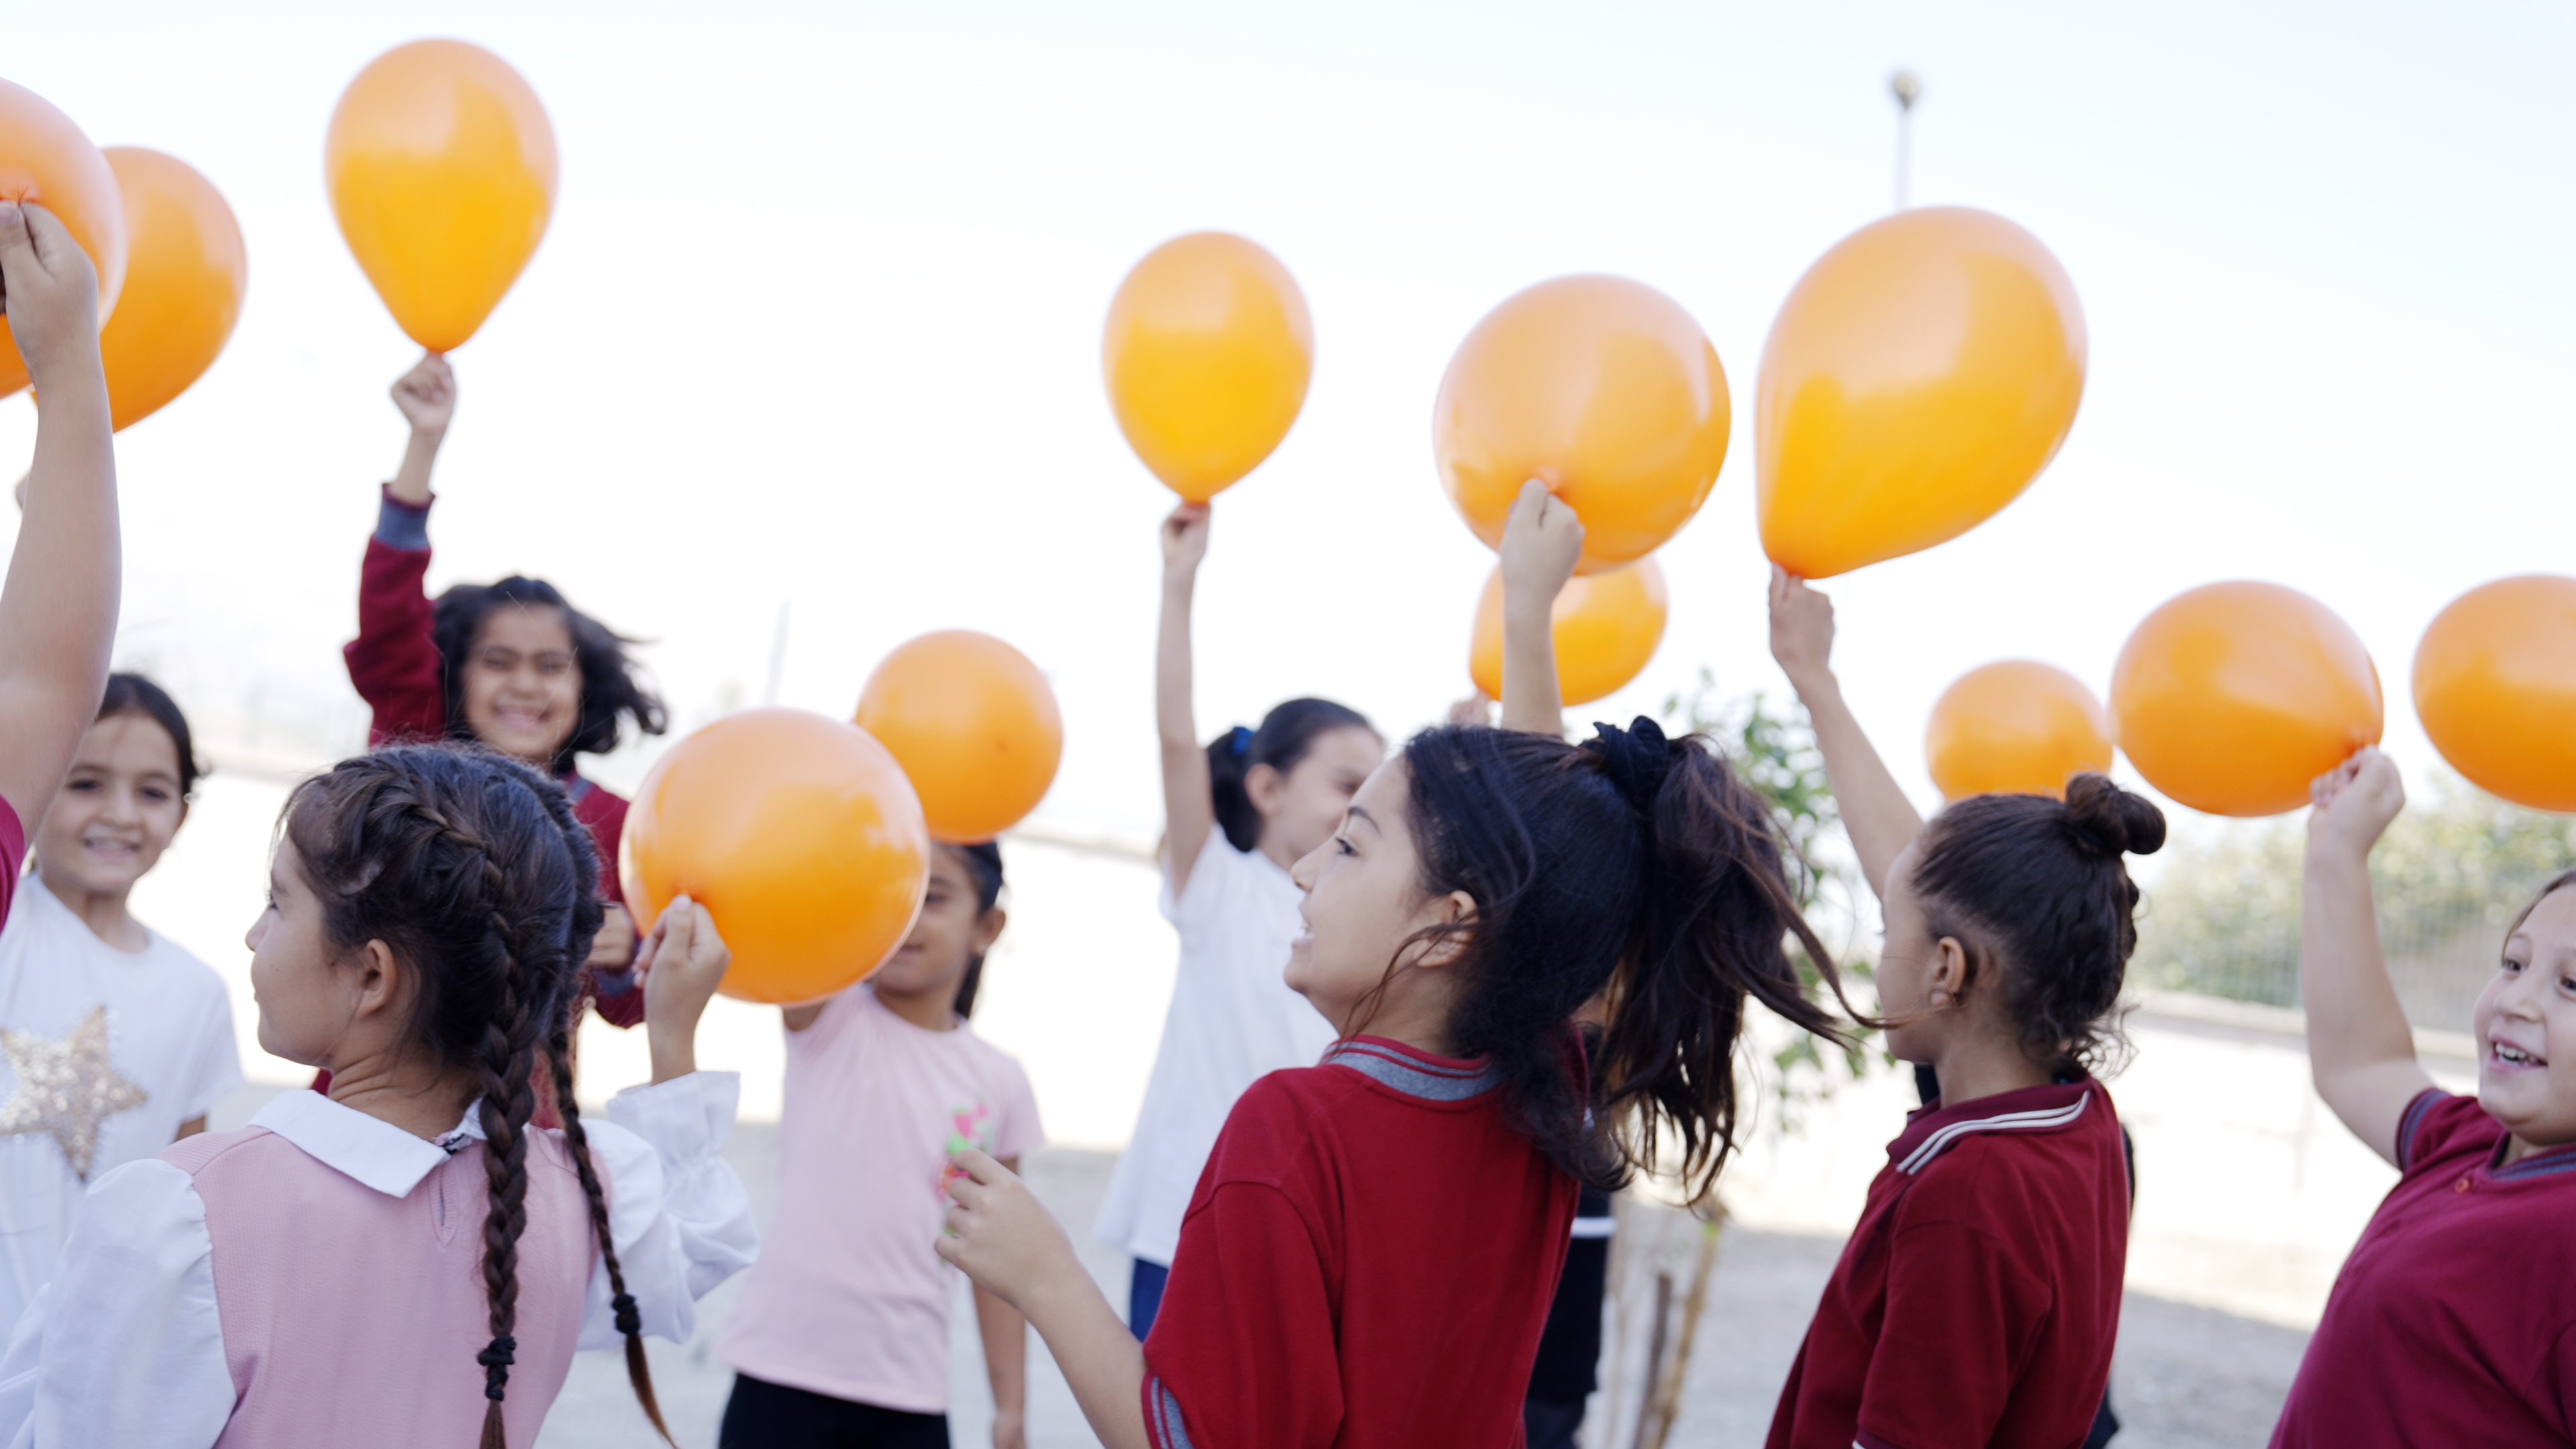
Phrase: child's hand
pixel 1475 709
pixel 2355 801
pixel 613 949
pixel 1185 540
pixel 1542 541
pixel 427 395
pixel 685 959
pixel 1001 1236
pixel 1802 628
pixel 49 293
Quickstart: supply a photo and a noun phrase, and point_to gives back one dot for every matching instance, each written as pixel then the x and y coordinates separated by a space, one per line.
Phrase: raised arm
pixel 1189 799
pixel 427 397
pixel 394 660
pixel 1541 541
pixel 1874 809
pixel 2361 1052
pixel 58 608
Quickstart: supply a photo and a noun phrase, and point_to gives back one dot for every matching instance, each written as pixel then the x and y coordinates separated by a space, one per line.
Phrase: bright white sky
pixel 818 324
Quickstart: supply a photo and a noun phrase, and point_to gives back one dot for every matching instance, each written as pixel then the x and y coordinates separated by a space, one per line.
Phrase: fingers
pixel 17 249
pixel 51 240
pixel 980 1166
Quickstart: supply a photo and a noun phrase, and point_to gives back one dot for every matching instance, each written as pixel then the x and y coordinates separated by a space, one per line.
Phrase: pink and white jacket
pixel 315 1279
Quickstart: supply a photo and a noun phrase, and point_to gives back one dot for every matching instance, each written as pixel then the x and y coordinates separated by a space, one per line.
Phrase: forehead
pixel 1348 747
pixel 528 628
pixel 1386 793
pixel 133 744
pixel 2551 926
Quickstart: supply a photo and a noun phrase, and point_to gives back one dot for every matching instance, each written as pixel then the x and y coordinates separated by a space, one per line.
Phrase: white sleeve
pixel 677 1214
pixel 124 1348
pixel 1199 899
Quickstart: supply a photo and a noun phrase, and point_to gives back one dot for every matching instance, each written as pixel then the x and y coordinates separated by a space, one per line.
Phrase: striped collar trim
pixel 2547 1163
pixel 1415 1074
pixel 1163 1426
pixel 2047 1117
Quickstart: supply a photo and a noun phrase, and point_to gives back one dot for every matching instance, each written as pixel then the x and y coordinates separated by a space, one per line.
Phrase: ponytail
pixel 1287 734
pixel 1634 867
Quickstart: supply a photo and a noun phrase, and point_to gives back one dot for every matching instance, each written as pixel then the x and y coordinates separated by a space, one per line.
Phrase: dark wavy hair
pixel 1287 734
pixel 610 690
pixel 983 861
pixel 2037 894
pixel 133 694
pixel 1635 866
pixel 471 868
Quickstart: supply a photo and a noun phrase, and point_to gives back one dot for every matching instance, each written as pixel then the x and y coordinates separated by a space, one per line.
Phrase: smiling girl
pixel 1977 1302
pixel 1370 1254
pixel 509 664
pixel 2451 1322
pixel 118 1040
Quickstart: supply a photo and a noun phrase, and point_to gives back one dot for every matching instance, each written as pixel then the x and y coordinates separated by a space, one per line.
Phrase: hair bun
pixel 2111 819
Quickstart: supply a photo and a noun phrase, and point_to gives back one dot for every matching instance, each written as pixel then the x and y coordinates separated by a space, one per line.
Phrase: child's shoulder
pixel 2439 1127
pixel 2009 1149
pixel 1278 1121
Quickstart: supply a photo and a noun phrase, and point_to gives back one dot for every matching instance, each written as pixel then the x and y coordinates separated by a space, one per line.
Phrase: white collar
pixel 370 1149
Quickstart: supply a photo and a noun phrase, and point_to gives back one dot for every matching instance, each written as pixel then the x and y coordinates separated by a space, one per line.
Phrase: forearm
pixel 1875 812
pixel 2354 1018
pixel 1101 1360
pixel 411 481
pixel 1531 699
pixel 58 607
pixel 1175 721
pixel 1005 1331
pixel 675 1048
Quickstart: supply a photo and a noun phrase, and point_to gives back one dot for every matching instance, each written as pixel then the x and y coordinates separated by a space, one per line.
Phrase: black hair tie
pixel 1242 740
pixel 1636 759
pixel 629 1318
pixel 496 1362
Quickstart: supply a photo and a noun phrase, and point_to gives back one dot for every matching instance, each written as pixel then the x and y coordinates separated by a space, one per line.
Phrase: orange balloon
pixel 45 159
pixel 1602 388
pixel 1606 627
pixel 183 283
pixel 1207 352
pixel 974 726
pixel 2495 685
pixel 800 836
pixel 442 170
pixel 2015 727
pixel 2232 697
pixel 1919 377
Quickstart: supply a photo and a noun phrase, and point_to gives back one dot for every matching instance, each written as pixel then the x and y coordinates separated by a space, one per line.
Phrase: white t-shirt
pixel 1232 1021
pixel 159 1052
pixel 849 1298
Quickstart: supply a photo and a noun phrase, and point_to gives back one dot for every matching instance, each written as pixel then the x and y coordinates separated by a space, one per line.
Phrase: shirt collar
pixel 1414 1073
pixel 2548 1162
pixel 1931 1131
pixel 369 1149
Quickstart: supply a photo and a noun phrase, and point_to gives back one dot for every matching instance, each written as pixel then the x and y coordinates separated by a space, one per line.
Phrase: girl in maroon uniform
pixel 509 664
pixel 1371 1251
pixel 1977 1301
pixel 2451 1322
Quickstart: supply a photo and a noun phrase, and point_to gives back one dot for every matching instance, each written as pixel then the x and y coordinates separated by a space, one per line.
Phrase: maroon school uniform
pixel 2453 1322
pixel 1976 1303
pixel 1367 1261
pixel 13 854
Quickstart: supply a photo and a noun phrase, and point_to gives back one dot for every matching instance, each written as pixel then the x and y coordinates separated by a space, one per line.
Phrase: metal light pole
pixel 1907 88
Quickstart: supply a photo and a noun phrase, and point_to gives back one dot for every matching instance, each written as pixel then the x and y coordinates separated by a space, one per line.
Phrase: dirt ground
pixel 2187 1378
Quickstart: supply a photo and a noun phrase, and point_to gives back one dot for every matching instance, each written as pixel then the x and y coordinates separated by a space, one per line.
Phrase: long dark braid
pixel 471 867
pixel 630 1321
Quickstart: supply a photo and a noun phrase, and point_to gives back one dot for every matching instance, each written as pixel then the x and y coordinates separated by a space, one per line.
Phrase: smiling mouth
pixel 111 847
pixel 2513 1057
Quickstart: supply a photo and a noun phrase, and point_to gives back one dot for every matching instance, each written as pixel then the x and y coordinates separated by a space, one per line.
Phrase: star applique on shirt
pixel 66 1088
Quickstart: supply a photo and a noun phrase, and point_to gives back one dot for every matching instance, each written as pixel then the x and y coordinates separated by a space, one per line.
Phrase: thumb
pixel 17 248
pixel 52 242
pixel 678 927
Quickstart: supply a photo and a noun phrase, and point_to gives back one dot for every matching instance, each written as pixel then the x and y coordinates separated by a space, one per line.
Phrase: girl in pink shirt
pixel 841 1334
pixel 402 1261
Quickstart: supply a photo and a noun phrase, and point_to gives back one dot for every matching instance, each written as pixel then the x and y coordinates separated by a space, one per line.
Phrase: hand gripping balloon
pixel 45 159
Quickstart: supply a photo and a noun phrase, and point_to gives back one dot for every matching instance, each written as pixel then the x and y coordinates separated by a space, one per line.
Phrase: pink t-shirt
pixel 848 1298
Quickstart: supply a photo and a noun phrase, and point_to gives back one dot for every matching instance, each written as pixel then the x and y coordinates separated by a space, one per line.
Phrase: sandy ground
pixel 2187 1378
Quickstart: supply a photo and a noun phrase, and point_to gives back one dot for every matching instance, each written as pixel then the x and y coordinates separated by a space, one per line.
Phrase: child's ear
pixel 381 977
pixel 1454 909
pixel 988 929
pixel 1262 785
pixel 1951 969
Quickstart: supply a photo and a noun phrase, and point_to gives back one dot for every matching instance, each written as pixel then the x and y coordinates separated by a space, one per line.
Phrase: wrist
pixel 675 1051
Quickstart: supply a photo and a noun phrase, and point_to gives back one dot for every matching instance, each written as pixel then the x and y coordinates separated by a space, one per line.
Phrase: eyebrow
pixel 1359 814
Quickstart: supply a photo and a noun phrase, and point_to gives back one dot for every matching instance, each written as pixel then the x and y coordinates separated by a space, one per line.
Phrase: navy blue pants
pixel 1144 1296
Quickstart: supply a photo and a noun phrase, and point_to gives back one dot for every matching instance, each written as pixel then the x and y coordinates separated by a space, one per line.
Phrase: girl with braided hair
pixel 429 909
pixel 1977 1301
pixel 1371 1252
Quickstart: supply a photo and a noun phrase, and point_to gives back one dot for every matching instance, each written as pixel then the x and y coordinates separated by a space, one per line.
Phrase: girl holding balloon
pixel 1239 812
pixel 511 665
pixel 1371 1252
pixel 2450 1323
pixel 840 1339
pixel 1977 1301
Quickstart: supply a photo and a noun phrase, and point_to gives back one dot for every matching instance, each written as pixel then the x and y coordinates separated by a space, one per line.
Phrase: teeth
pixel 2506 1053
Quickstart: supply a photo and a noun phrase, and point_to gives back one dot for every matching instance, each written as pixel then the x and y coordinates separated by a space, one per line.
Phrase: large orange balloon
pixel 801 837
pixel 1606 627
pixel 1207 353
pixel 1602 388
pixel 2495 685
pixel 1917 379
pixel 2232 697
pixel 183 283
pixel 2015 727
pixel 973 724
pixel 442 171
pixel 45 159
